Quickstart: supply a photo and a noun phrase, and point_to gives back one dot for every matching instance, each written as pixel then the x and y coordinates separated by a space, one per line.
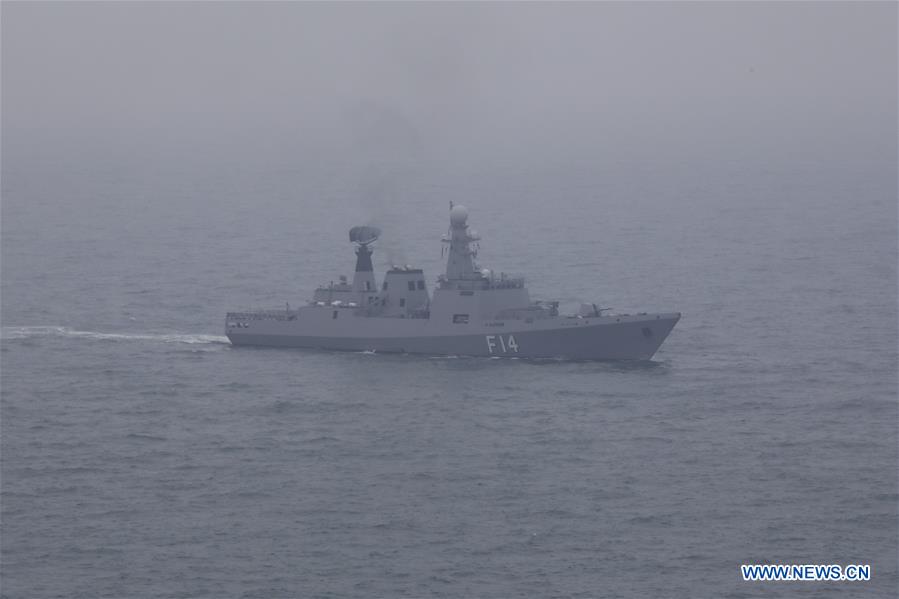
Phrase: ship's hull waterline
pixel 604 338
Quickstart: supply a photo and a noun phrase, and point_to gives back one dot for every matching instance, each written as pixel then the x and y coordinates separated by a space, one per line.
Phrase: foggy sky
pixel 424 81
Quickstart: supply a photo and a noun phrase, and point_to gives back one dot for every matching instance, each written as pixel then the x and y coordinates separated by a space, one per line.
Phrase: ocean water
pixel 143 456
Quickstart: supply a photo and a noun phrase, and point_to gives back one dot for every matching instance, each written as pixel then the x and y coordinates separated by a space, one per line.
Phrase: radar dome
pixel 458 215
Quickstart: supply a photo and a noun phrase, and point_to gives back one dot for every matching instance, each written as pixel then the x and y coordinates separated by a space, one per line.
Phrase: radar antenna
pixel 364 235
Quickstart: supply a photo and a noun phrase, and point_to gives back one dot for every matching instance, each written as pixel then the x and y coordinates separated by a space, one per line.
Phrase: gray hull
pixel 622 337
pixel 472 312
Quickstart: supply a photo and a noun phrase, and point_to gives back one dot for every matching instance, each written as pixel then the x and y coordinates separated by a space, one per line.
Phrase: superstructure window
pixel 334 315
pixel 411 285
pixel 368 285
pixel 402 302
pixel 460 318
pixel 421 284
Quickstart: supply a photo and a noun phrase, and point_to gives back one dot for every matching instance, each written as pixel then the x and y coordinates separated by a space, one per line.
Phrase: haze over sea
pixel 143 456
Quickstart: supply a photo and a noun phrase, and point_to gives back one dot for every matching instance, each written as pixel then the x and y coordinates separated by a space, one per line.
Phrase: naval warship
pixel 471 312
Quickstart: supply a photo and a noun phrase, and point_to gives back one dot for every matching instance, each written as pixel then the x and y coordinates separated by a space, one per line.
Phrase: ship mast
pixel 460 264
pixel 364 277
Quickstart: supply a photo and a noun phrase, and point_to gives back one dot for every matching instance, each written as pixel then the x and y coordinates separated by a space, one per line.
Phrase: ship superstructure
pixel 472 312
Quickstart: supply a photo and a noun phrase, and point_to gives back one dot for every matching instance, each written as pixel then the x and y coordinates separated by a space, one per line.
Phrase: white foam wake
pixel 46 331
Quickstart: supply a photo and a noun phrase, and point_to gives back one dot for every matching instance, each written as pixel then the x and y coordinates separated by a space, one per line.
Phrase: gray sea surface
pixel 143 456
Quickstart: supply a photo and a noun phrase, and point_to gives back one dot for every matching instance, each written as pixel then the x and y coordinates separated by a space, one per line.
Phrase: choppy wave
pixel 53 331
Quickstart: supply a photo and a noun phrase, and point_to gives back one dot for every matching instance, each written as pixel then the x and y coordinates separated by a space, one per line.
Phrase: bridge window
pixel 460 318
pixel 334 315
pixel 421 284
pixel 411 285
pixel 385 286
pixel 402 302
pixel 368 285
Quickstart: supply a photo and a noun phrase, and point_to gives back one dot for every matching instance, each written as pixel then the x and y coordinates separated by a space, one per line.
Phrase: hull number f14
pixel 499 344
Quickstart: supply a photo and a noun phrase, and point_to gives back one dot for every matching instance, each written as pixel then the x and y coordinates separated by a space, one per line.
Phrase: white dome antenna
pixel 458 216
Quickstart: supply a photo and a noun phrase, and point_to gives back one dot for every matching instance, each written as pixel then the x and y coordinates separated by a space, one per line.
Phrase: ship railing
pixel 263 315
pixel 501 282
pixel 507 283
pixel 536 311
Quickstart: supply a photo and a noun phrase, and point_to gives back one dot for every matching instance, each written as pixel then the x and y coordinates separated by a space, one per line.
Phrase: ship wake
pixel 9 333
